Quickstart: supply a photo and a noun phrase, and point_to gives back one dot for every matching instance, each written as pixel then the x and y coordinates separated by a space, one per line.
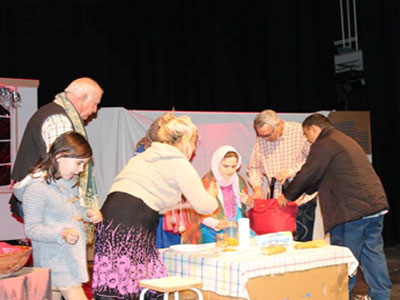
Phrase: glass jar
pixel 231 234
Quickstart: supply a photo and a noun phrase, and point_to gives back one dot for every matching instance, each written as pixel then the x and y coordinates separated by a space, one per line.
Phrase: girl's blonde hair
pixel 175 129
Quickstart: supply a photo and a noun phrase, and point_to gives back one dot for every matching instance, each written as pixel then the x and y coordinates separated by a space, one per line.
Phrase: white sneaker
pixel 362 297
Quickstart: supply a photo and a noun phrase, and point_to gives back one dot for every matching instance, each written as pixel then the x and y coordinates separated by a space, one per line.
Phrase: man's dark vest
pixel 32 147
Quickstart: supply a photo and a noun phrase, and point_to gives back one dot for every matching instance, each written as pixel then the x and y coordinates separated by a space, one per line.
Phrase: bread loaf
pixel 310 244
pixel 269 250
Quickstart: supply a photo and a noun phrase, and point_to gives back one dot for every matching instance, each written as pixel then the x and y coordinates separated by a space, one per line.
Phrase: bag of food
pixel 267 216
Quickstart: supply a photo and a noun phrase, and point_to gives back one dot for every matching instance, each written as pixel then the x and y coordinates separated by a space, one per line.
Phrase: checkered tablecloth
pixel 227 273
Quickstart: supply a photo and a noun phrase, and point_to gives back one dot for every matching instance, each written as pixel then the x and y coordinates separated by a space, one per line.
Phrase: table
pixel 26 284
pixel 307 273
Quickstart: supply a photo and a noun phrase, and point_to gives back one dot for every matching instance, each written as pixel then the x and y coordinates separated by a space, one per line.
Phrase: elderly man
pixel 67 112
pixel 279 151
pixel 352 199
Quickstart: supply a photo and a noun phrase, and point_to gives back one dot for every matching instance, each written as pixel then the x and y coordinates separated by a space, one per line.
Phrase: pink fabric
pixel 6 248
pixel 124 256
pixel 28 283
pixel 229 202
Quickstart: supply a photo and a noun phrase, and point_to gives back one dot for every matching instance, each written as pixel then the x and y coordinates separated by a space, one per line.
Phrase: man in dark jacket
pixel 352 199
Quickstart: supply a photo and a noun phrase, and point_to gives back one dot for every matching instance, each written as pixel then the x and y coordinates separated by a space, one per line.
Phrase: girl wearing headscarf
pixel 233 198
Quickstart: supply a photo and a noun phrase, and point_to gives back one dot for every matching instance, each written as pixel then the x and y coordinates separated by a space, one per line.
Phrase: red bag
pixel 267 216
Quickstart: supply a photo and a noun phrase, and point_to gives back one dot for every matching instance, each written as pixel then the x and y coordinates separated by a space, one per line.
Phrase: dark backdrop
pixel 215 55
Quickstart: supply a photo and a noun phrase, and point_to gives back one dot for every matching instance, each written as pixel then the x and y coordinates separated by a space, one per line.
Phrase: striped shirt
pixel 287 153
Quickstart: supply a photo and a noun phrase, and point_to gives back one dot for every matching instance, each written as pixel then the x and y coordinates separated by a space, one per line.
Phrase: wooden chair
pixel 171 284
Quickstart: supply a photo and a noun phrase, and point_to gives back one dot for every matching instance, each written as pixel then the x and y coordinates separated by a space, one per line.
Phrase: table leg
pixel 143 293
pixel 198 292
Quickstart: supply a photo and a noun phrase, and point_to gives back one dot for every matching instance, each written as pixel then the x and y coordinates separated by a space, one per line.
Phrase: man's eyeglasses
pixel 265 136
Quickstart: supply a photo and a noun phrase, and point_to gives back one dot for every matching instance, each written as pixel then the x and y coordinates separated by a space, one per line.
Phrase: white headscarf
pixel 221 181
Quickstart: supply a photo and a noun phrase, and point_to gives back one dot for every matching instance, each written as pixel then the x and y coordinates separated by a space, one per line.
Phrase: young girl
pixel 233 197
pixel 54 217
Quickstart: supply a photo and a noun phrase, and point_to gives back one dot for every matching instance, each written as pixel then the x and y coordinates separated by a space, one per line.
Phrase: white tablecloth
pixel 227 273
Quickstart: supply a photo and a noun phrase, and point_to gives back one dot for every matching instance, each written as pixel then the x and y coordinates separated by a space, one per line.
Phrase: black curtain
pixel 212 55
pixel 380 33
pixel 191 55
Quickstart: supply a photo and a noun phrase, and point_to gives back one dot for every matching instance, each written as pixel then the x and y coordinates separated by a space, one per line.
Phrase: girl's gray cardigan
pixel 49 208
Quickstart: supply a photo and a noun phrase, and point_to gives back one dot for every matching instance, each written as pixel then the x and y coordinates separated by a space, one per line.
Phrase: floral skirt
pixel 125 250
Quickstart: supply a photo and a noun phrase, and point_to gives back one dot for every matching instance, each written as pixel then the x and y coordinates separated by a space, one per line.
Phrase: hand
pixel 303 199
pixel 213 189
pixel 70 235
pixel 94 216
pixel 282 201
pixel 11 185
pixel 300 200
pixel 245 199
pixel 223 223
pixel 282 176
pixel 258 193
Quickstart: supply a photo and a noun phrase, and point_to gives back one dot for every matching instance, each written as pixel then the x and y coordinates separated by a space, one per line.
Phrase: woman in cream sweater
pixel 151 183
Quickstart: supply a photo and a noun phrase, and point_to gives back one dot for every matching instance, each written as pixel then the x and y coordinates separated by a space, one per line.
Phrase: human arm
pixel 246 199
pixel 312 172
pixel 258 192
pixel 212 189
pixel 184 205
pixel 70 235
pixel 86 214
pixel 244 196
pixel 216 220
pixel 282 176
pixel 255 171
pixel 282 201
pixel 95 216
pixel 291 172
pixel 304 198
pixel 35 204
pixel 193 189
pixel 216 224
pixel 11 185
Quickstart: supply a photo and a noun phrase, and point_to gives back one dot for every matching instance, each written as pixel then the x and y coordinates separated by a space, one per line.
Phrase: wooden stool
pixel 170 284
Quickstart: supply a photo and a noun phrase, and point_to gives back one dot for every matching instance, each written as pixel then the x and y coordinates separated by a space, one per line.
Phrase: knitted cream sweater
pixel 159 176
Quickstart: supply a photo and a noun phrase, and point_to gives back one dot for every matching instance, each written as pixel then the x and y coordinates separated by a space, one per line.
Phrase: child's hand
pixel 70 235
pixel 223 223
pixel 94 216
